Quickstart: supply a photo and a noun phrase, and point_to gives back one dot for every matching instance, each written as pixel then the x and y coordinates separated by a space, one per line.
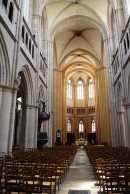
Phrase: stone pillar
pixel 119 16
pixel 75 110
pixel 126 5
pixel 112 103
pixel 127 116
pixel 125 123
pixel 49 59
pixel 36 22
pixel 64 111
pixel 7 114
pixel 59 103
pixel 103 115
pixel 0 95
pixel 31 126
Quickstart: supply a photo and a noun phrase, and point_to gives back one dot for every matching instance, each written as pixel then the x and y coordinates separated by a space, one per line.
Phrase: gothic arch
pixel 59 25
pixel 4 64
pixel 73 51
pixel 30 97
pixel 80 78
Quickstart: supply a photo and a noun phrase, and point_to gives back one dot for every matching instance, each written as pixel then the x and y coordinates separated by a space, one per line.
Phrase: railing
pixel 9 14
pixel 122 54
pixel 125 43
pixel 91 110
pixel 80 111
pixel 70 110
pixel 116 65
pixel 28 40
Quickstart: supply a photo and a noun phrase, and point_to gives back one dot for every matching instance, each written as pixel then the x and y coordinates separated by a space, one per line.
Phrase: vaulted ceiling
pixel 78 28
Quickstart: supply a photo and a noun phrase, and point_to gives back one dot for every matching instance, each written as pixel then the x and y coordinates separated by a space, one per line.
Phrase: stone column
pixel 49 59
pixel 119 16
pixel 0 95
pixel 112 103
pixel 59 102
pixel 64 108
pixel 7 113
pixel 75 110
pixel 31 126
pixel 126 5
pixel 36 22
pixel 103 127
pixel 127 116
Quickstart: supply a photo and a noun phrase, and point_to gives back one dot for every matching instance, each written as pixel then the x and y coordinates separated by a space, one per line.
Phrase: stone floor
pixel 80 175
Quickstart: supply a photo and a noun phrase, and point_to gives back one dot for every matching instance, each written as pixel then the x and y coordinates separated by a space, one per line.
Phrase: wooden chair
pixel 13 183
pixel 48 186
pixel 32 184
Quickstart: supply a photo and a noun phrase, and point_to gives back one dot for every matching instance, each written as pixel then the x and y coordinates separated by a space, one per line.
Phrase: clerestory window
pixel 80 90
pixel 69 89
pixel 91 88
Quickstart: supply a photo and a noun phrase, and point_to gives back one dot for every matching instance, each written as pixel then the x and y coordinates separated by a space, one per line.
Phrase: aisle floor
pixel 80 175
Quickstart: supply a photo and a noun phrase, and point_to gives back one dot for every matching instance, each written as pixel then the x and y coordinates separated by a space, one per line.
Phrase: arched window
pixel 23 31
pixel 91 88
pixel 5 3
pixel 69 89
pixel 69 125
pixel 125 47
pixel 93 126
pixel 27 39
pixel 81 126
pixel 30 45
pixel 80 90
pixel 33 51
pixel 128 42
pixel 10 12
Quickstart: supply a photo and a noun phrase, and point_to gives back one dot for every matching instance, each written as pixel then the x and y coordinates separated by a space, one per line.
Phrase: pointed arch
pixel 4 62
pixel 102 28
pixel 30 97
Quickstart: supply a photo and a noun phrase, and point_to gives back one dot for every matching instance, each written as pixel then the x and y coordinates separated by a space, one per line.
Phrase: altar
pixel 81 142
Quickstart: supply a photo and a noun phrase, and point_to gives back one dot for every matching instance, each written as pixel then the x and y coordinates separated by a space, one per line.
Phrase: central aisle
pixel 80 175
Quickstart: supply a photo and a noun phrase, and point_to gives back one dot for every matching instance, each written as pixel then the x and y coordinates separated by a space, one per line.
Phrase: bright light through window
pixel 69 126
pixel 80 90
pixel 91 88
pixel 69 89
pixel 81 126
pixel 93 126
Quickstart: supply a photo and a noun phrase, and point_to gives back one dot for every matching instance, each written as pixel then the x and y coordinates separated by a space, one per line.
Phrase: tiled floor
pixel 80 175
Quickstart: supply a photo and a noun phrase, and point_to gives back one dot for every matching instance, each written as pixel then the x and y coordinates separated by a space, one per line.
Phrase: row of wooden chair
pixel 35 171
pixel 112 168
